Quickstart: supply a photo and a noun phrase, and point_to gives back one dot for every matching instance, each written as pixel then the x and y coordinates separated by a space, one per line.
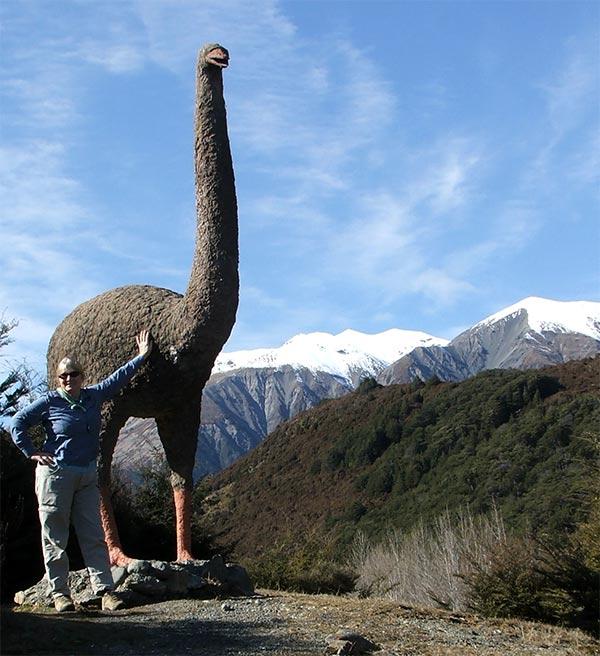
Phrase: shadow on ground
pixel 97 634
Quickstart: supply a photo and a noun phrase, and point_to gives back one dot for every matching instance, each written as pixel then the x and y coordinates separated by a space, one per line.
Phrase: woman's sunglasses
pixel 69 374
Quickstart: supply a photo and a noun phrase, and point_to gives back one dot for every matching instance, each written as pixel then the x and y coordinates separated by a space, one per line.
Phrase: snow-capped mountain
pixel 350 355
pixel 251 392
pixel 532 333
pixel 545 315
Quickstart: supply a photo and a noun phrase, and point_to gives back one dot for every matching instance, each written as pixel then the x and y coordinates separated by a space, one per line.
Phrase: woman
pixel 66 481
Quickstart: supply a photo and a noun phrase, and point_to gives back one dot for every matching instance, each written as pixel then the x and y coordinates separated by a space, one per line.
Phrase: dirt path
pixel 278 624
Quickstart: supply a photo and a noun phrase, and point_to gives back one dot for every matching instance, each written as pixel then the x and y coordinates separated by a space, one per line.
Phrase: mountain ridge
pixel 340 355
pixel 242 404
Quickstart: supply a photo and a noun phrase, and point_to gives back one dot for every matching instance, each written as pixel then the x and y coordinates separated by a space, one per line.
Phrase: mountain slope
pixel 251 392
pixel 386 456
pixel 531 334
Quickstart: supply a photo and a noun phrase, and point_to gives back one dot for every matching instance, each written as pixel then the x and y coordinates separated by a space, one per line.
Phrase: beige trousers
pixel 71 494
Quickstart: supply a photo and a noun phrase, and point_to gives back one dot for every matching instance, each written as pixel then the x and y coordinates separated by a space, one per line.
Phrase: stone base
pixel 143 581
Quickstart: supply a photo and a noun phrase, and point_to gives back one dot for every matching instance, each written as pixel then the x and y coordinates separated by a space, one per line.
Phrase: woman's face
pixel 71 381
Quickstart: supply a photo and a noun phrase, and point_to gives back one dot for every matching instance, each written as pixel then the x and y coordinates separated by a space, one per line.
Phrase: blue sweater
pixel 72 433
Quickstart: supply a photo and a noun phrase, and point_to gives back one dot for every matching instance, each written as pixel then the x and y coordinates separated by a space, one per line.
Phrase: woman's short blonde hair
pixel 68 363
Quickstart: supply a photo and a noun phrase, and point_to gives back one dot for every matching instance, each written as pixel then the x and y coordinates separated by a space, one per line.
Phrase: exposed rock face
pixel 239 409
pixel 243 406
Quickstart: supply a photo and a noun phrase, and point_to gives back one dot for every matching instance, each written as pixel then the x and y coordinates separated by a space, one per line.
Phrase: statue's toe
pixel 118 558
pixel 184 556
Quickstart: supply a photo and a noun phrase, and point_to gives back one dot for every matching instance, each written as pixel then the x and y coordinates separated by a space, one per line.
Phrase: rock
pixel 196 582
pixel 142 580
pixel 19 598
pixel 345 641
pixel 145 584
pixel 238 581
pixel 118 574
pixel 138 567
pixel 161 569
pixel 214 569
pixel 179 582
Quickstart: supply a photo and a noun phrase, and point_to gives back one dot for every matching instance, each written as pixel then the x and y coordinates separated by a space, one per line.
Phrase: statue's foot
pixel 184 556
pixel 118 558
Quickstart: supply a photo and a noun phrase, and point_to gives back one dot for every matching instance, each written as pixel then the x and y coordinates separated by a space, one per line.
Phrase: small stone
pixel 161 569
pixel 19 597
pixel 227 607
pixel 348 642
pixel 138 567
pixel 146 585
pixel 118 575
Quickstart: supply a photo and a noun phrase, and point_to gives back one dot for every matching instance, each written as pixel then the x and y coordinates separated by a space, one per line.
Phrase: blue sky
pixel 417 165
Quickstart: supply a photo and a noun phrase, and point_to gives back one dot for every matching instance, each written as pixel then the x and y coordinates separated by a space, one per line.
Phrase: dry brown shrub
pixel 428 564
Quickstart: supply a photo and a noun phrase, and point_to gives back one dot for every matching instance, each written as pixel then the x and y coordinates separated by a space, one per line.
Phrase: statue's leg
pixel 111 425
pixel 179 438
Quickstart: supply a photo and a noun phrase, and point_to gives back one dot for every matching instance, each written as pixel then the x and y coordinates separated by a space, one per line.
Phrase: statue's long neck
pixel 210 302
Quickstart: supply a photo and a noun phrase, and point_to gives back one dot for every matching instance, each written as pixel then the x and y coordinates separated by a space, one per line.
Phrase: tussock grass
pixel 429 563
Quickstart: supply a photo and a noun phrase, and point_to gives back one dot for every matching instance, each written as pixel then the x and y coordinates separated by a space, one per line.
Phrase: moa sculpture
pixel 188 331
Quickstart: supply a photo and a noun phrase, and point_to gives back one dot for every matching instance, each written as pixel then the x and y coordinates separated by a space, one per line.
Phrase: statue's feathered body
pixel 188 331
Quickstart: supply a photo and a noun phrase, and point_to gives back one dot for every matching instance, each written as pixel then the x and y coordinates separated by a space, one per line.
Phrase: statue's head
pixel 213 54
pixel 69 375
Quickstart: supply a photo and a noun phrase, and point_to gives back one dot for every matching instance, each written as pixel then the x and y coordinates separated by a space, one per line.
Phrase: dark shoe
pixel 110 601
pixel 62 603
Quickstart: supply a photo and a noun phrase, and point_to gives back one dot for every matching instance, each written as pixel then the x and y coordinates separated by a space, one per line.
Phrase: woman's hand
pixel 144 343
pixel 43 458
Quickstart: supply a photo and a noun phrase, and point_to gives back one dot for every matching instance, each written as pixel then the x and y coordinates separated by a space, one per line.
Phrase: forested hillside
pixel 388 456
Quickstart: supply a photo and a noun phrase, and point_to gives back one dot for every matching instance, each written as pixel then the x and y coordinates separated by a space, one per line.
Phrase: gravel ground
pixel 278 624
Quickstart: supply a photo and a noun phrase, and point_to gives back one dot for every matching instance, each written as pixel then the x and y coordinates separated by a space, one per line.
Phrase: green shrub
pixel 300 564
pixel 532 579
pixel 510 585
pixel 587 536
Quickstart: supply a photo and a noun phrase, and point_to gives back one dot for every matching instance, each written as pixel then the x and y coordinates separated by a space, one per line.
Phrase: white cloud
pixel 574 89
pixel 36 189
pixel 440 287
pixel 43 101
pixel 254 32
pixel 115 58
pixel 570 105
pixel 583 166
pixel 387 246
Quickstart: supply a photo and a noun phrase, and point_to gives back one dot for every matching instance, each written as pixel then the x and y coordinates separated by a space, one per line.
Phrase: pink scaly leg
pixel 183 519
pixel 111 535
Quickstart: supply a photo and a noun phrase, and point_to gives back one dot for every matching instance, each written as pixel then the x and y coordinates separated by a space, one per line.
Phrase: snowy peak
pixel 544 315
pixel 533 333
pixel 351 355
pixel 341 355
